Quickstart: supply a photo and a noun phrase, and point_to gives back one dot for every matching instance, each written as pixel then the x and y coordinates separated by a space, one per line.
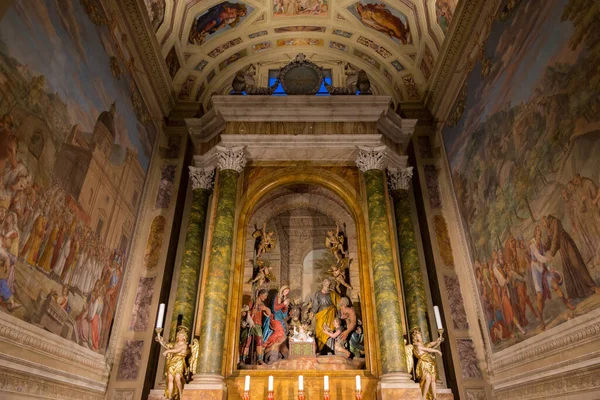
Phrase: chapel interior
pixel 299 199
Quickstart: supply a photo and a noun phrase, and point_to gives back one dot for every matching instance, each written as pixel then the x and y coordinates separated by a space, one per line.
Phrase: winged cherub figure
pixel 178 371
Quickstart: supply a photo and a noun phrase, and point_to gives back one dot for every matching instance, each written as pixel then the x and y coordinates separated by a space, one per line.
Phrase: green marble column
pixel 412 277
pixel 189 274
pixel 216 291
pixel 387 302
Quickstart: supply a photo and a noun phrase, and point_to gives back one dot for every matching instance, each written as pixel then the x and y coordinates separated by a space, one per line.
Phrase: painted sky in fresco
pixel 519 55
pixel 56 38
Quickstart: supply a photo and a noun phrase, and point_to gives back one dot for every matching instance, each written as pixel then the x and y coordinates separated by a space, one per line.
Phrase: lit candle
pixel 247 383
pixel 326 382
pixel 438 317
pixel 161 316
pixel 358 382
pixel 270 383
pixel 300 382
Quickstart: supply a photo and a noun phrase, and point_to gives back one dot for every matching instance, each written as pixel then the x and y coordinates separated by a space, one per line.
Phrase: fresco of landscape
pixel 525 160
pixel 73 159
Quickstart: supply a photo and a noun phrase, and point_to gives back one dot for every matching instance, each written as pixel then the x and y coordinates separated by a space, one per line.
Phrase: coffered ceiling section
pixel 205 43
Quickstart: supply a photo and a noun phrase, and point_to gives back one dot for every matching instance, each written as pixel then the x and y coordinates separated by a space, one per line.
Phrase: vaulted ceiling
pixel 205 43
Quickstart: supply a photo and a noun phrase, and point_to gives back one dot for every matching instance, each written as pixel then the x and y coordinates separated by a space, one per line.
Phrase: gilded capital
pixel 202 178
pixel 231 158
pixel 370 158
pixel 399 178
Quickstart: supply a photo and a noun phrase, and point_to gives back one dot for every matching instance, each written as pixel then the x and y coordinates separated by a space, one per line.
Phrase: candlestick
pixel 270 395
pixel 301 395
pixel 438 317
pixel 246 395
pixel 358 395
pixel 326 395
pixel 358 387
pixel 161 316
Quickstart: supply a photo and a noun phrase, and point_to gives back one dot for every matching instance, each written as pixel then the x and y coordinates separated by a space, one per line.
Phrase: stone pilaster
pixel 412 277
pixel 189 275
pixel 231 162
pixel 387 303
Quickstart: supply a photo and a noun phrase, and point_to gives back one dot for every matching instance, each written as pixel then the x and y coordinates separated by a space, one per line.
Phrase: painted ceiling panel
pixel 206 42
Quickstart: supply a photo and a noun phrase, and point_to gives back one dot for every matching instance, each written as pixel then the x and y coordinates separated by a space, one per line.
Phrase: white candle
pixel 247 384
pixel 438 317
pixel 270 384
pixel 358 382
pixel 161 316
pixel 300 382
pixel 325 382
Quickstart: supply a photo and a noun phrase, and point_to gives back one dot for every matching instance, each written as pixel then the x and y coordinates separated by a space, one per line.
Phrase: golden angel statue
pixel 177 370
pixel 426 370
pixel 338 273
pixel 335 243
pixel 264 241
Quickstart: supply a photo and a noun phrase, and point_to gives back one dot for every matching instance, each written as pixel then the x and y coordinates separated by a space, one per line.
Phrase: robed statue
pixel 181 362
pixel 426 371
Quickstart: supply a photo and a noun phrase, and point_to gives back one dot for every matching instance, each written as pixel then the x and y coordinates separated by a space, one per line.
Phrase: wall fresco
pixel 217 20
pixel 381 17
pixel 73 160
pixel 524 157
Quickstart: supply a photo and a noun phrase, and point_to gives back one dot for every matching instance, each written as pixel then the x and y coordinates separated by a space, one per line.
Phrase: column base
pixel 202 387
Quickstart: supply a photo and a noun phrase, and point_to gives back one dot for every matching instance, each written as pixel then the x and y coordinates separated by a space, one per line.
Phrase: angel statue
pixel 264 241
pixel 338 273
pixel 177 370
pixel 335 243
pixel 426 370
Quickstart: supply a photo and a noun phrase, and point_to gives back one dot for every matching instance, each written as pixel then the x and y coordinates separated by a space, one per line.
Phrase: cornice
pixel 29 337
pixel 301 108
pixel 572 333
pixel 24 383
pixel 147 47
pixel 466 16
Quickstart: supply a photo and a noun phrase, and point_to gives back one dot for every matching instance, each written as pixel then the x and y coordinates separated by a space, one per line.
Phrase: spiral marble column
pixel 189 275
pixel 387 303
pixel 231 162
pixel 412 277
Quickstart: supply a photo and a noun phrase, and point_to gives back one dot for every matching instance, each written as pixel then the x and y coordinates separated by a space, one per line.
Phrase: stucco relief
pixel 165 188
pixel 141 307
pixel 456 302
pixel 154 243
pixel 468 359
pixel 443 240
pixel 131 358
pixel 433 186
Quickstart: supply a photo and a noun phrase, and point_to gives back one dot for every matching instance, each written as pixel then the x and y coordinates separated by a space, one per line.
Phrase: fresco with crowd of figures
pixel 524 150
pixel 75 144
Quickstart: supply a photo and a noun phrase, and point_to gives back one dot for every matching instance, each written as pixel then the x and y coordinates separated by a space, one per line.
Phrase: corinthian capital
pixel 370 158
pixel 202 178
pixel 231 158
pixel 399 178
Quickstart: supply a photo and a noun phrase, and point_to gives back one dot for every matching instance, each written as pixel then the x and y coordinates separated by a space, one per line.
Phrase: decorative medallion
pixel 301 77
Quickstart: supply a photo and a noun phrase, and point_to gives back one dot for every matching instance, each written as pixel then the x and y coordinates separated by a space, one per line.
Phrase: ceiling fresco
pixel 205 43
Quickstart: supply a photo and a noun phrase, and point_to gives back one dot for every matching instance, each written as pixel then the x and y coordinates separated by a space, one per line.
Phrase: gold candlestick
pixel 326 395
pixel 271 395
pixel 246 395
pixel 359 395
pixel 301 395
